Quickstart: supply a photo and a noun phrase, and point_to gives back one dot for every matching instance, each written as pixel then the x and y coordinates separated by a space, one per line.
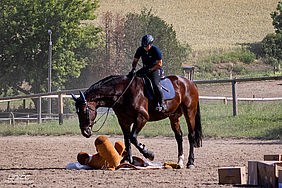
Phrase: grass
pixel 255 120
pixel 70 127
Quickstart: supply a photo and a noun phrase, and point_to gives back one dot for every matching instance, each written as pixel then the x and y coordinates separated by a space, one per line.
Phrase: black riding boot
pixel 162 106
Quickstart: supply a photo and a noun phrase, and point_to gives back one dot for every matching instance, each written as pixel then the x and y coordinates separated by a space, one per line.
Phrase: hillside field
pixel 206 24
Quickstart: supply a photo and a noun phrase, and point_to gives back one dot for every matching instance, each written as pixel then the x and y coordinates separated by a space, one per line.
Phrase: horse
pixel 126 96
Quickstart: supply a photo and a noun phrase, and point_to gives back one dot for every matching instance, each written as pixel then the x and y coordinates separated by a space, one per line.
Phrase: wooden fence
pixel 234 88
pixel 60 95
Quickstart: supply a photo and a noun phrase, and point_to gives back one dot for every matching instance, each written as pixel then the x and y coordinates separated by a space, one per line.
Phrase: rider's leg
pixel 155 78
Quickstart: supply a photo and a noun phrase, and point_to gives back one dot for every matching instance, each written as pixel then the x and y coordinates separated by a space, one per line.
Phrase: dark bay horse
pixel 126 97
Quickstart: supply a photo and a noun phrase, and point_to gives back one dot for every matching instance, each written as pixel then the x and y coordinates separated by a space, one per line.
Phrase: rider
pixel 152 63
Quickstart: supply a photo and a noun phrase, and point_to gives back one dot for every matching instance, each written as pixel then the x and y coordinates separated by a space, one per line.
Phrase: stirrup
pixel 164 107
pixel 161 108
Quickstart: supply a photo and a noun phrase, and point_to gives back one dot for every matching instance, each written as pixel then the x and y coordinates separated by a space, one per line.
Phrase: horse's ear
pixel 82 96
pixel 74 97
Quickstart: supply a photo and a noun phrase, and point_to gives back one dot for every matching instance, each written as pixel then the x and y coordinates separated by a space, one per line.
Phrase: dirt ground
pixel 40 161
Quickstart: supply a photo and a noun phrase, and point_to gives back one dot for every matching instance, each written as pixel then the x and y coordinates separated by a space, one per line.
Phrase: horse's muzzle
pixel 86 132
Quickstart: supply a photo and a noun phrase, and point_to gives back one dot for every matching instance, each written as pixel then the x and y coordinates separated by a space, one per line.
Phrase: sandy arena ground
pixel 40 161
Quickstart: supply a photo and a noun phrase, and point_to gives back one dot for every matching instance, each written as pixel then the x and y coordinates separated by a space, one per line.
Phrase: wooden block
pixel 268 173
pixel 252 172
pixel 280 179
pixel 273 157
pixel 232 175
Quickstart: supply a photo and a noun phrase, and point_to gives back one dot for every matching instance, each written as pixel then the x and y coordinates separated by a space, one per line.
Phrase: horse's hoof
pixel 127 159
pixel 190 166
pixel 180 161
pixel 181 165
pixel 149 155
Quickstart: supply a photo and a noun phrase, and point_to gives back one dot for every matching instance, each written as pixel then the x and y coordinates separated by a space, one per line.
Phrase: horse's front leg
pixel 137 127
pixel 127 143
pixel 141 147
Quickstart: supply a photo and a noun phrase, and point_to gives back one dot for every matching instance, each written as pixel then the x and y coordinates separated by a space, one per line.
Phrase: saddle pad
pixel 167 89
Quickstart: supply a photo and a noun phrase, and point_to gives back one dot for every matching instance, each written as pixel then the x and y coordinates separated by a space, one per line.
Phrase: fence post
pixel 60 108
pixel 24 104
pixel 27 122
pixel 234 97
pixel 8 106
pixel 39 119
pixel 13 118
pixel 225 100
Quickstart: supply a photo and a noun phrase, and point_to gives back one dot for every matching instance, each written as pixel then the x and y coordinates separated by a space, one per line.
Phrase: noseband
pixel 87 112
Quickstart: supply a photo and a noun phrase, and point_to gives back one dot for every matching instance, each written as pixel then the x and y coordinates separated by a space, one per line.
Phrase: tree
pixel 272 43
pixel 24 42
pixel 114 36
pixel 122 37
pixel 272 46
pixel 277 18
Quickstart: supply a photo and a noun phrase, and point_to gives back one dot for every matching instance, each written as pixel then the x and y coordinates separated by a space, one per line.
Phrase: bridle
pixel 108 110
pixel 88 108
pixel 87 111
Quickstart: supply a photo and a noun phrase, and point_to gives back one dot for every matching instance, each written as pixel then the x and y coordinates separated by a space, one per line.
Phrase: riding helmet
pixel 147 40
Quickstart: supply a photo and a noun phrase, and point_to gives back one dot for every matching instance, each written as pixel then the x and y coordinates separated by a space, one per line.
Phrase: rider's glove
pixel 132 73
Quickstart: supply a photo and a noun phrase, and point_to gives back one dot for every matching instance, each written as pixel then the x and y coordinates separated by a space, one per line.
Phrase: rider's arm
pixel 158 65
pixel 134 63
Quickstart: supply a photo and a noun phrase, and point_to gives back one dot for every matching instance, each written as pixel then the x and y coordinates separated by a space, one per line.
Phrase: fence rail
pixel 238 80
pixel 242 98
pixel 60 95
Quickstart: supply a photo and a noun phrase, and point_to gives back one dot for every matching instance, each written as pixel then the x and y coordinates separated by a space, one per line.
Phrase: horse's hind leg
pixel 175 125
pixel 190 120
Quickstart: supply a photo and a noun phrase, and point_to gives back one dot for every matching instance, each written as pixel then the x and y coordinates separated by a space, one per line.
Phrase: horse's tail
pixel 198 128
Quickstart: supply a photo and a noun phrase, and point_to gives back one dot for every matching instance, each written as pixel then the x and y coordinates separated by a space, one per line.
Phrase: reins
pixel 107 112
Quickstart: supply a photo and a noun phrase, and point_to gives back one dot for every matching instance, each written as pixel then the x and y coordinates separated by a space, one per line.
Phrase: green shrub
pixel 230 57
pixel 205 66
pixel 272 48
pixel 238 69
pixel 243 55
pixel 247 57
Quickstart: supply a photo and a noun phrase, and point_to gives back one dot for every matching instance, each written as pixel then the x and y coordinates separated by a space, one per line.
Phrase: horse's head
pixel 86 112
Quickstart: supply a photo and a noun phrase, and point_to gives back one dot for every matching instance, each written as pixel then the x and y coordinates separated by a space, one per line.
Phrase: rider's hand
pixel 132 73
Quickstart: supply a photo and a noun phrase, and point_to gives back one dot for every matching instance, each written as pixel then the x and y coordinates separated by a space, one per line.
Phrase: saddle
pixel 167 88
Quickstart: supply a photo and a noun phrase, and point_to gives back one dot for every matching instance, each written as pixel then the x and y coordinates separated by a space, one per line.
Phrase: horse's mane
pixel 100 83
